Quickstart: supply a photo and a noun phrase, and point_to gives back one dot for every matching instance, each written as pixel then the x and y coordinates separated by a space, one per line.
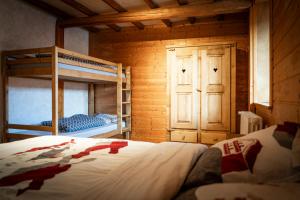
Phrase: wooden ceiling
pixel 95 15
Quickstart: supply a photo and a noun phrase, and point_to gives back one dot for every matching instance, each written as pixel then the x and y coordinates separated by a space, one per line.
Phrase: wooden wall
pixel 285 31
pixel 106 98
pixel 145 51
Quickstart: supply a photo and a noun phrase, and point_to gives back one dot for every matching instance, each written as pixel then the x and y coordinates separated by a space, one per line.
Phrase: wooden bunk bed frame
pixel 43 63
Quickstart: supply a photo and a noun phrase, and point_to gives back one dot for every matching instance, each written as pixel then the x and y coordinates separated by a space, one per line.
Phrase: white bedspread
pixel 93 168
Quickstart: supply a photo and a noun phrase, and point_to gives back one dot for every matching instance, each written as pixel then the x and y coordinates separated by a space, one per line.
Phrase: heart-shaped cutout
pixel 215 69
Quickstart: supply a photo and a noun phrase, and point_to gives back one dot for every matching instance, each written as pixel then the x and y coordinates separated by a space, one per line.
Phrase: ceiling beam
pixel 153 5
pixel 55 12
pixel 182 2
pixel 192 20
pixel 78 6
pixel 114 5
pixel 196 10
pixel 83 9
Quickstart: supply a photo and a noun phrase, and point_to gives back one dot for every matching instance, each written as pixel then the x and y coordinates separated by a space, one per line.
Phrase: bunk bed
pixel 57 64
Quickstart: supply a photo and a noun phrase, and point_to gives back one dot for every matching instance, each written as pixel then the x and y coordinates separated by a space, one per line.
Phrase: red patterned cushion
pixel 240 155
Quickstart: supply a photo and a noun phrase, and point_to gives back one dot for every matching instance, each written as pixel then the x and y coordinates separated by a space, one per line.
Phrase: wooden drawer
pixel 184 136
pixel 212 137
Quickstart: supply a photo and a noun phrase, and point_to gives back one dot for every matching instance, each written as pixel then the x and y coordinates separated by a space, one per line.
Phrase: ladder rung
pixel 126 102
pixel 126 115
pixel 126 89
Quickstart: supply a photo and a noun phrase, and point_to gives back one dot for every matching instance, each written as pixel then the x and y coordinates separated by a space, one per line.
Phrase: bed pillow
pixel 108 118
pixel 272 161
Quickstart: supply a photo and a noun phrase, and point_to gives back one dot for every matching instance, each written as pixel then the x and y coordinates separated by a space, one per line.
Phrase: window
pixel 260 53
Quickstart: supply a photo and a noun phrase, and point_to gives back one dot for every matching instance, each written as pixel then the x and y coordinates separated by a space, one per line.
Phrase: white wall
pixel 77 40
pixel 24 26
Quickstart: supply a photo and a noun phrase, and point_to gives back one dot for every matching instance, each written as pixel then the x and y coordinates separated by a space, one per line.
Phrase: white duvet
pixel 80 168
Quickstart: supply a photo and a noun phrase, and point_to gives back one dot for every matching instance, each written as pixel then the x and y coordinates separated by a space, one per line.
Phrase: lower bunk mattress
pixel 90 132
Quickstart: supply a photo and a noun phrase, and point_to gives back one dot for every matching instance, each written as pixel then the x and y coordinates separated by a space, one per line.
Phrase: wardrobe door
pixel 184 62
pixel 215 85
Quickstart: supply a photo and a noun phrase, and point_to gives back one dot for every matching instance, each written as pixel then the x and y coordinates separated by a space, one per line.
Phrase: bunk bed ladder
pixel 126 102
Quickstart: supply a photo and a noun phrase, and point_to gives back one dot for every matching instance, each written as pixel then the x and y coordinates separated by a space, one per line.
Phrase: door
pixel 215 88
pixel 183 64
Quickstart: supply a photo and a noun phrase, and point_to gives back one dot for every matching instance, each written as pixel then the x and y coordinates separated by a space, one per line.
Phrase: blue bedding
pixel 77 122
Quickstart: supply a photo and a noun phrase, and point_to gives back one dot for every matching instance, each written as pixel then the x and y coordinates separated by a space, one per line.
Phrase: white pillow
pixel 273 162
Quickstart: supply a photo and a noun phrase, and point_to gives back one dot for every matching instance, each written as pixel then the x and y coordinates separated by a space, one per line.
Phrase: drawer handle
pixel 183 137
pixel 216 140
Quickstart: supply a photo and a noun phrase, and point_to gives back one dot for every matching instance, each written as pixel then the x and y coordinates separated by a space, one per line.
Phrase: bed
pixel 59 65
pixel 78 125
pixel 60 167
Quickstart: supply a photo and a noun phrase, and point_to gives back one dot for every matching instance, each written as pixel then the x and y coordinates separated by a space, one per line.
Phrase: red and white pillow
pixel 239 154
pixel 267 160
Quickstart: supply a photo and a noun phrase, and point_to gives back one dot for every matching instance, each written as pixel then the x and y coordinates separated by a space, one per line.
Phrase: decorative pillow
pixel 272 161
pixel 240 155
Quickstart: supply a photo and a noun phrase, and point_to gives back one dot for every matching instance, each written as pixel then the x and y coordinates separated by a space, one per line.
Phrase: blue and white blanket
pixel 79 122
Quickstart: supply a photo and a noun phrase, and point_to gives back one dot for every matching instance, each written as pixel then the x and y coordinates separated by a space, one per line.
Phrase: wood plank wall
pixel 106 98
pixel 285 39
pixel 145 51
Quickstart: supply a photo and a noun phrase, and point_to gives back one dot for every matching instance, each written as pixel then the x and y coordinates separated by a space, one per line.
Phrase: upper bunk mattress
pixel 83 69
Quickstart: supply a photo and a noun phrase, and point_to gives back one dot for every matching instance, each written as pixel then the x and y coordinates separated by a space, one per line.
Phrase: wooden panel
pixel 54 91
pixel 184 108
pixel 214 107
pixel 212 137
pixel 91 96
pixel 215 85
pixel 215 70
pixel 59 36
pixel 29 127
pixel 183 65
pixel 106 98
pixel 60 98
pixel 184 136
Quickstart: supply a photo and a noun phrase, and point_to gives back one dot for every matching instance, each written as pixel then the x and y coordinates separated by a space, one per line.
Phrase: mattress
pixel 82 69
pixel 72 67
pixel 80 134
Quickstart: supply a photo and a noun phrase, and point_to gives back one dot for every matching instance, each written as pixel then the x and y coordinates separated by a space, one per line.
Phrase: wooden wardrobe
pixel 202 92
